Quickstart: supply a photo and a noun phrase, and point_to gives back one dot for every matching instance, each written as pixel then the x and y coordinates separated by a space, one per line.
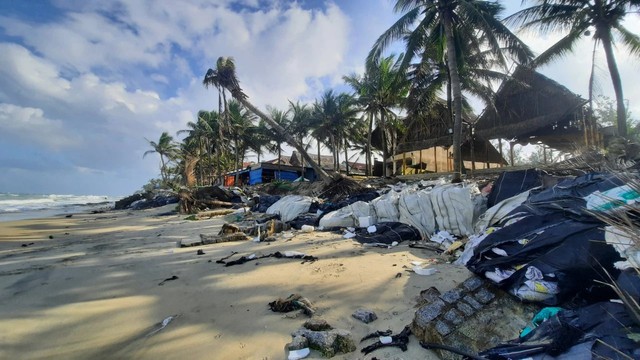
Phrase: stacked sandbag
pixel 290 206
pixel 453 208
pixel 416 210
pixel 347 216
pixel 386 207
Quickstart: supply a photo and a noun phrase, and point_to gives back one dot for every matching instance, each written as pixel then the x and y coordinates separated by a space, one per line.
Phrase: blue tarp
pixel 255 176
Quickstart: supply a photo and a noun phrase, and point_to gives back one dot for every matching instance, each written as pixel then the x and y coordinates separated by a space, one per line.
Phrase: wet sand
pixel 92 291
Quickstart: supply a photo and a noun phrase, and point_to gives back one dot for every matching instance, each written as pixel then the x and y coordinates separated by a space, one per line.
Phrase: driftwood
pixel 206 239
pixel 212 213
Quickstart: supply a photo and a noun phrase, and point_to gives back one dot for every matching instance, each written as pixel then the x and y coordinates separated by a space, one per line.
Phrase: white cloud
pixel 25 124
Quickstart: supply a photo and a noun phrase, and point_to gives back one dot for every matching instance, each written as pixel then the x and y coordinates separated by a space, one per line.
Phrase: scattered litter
pixel 377 334
pixel 168 279
pixel 298 354
pixel 277 255
pixel 163 324
pixel 200 252
pixel 444 238
pixel 424 271
pixel 307 228
pixel 371 229
pixel 291 303
pixel 400 340
pixel 25 245
pixel 349 235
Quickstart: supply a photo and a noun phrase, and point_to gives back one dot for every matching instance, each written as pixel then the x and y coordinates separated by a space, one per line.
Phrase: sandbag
pixel 386 207
pixel 347 216
pixel 415 209
pixel 290 206
pixel 453 208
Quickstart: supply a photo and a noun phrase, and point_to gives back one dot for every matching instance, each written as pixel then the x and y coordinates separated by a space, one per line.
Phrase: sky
pixel 84 84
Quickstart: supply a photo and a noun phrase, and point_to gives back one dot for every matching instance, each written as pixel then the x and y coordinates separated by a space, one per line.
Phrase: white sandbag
pixel 386 207
pixel 415 209
pixel 498 211
pixel 290 206
pixel 453 208
pixel 348 216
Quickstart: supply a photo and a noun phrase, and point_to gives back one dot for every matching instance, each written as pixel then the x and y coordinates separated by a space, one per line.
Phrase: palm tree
pixel 301 124
pixel 382 88
pixel 431 24
pixel 282 119
pixel 577 17
pixel 225 76
pixel 240 121
pixel 166 148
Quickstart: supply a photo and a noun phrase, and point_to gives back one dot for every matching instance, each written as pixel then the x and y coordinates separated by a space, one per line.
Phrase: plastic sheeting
pixel 387 233
pixel 555 233
pixel 499 211
pixel 290 206
pixel 598 331
pixel 511 183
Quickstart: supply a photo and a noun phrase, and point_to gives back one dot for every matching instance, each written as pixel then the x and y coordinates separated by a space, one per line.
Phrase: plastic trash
pixel 349 235
pixel 424 271
pixel 163 324
pixel 385 339
pixel 365 221
pixel 292 253
pixel 371 229
pixel 298 354
pixel 307 228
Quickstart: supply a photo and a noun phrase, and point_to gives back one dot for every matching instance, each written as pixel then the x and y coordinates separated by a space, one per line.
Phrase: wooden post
pixel 435 157
pixel 420 161
pixel 501 155
pixel 404 162
pixel 511 145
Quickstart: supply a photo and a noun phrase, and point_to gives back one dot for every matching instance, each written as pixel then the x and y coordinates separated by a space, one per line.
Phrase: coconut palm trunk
pixel 457 97
pixel 617 83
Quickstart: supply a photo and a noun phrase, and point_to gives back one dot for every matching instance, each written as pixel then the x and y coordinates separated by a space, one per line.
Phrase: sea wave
pixel 12 203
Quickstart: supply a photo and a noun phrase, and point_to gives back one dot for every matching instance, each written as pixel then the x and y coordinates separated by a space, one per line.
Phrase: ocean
pixel 34 206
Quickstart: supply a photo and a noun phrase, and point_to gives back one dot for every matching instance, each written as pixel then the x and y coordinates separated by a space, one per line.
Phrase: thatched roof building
pixel 531 108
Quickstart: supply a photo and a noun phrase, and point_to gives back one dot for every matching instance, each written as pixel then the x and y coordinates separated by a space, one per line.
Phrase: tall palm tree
pixel 281 118
pixel 382 88
pixel 577 17
pixel 166 148
pixel 301 124
pixel 225 76
pixel 240 121
pixel 429 24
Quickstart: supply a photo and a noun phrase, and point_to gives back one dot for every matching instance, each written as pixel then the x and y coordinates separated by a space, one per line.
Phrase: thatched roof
pixel 530 107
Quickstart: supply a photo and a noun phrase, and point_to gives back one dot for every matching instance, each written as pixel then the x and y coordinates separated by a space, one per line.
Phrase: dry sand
pixel 92 291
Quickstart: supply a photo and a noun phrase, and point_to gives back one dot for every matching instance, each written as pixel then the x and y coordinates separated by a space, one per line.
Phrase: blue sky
pixel 83 83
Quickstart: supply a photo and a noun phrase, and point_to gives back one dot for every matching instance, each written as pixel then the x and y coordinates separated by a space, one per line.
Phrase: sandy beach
pixel 92 290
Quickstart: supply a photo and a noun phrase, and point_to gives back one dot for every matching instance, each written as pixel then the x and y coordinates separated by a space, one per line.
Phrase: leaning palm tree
pixel 426 24
pixel 577 17
pixel 166 148
pixel 225 76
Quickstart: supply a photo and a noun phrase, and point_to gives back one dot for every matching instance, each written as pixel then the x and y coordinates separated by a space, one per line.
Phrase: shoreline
pixel 93 290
